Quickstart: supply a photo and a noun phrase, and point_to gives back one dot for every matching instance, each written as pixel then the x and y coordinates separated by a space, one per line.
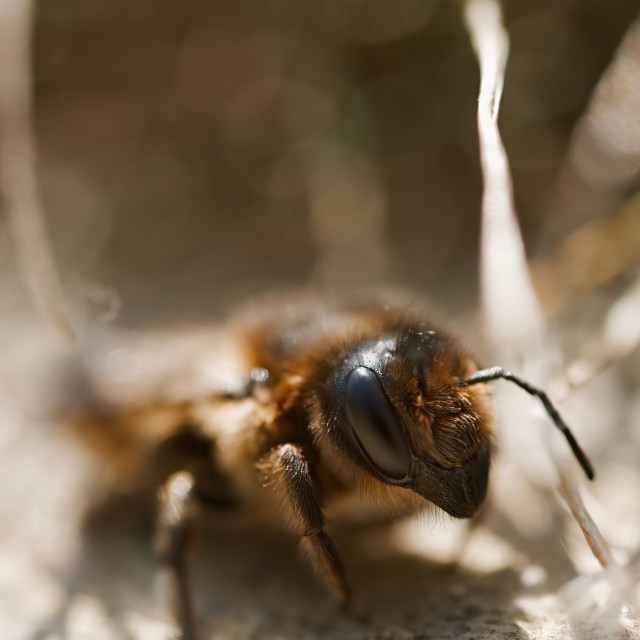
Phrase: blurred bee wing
pixel 120 370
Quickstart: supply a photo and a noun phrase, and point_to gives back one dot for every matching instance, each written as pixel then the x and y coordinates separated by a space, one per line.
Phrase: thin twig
pixel 18 183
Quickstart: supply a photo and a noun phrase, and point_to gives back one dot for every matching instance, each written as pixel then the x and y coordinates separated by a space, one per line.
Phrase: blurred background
pixel 193 153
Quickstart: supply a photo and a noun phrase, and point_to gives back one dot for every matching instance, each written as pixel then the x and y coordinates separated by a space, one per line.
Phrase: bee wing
pixel 126 370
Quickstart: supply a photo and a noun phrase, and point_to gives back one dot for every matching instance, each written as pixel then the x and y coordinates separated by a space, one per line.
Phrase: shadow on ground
pixel 250 582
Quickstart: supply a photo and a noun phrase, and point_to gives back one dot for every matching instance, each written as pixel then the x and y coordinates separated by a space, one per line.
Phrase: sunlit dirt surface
pixel 74 568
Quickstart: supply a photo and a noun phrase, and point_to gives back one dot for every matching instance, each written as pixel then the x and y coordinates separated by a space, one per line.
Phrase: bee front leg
pixel 178 507
pixel 287 474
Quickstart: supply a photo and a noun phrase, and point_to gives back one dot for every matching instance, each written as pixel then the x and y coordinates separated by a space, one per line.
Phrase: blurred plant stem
pixel 18 173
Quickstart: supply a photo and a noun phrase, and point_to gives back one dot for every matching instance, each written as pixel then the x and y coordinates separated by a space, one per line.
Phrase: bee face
pixel 394 405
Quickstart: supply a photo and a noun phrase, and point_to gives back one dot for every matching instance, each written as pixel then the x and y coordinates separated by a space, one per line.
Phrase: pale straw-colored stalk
pixel 513 316
pixel 21 201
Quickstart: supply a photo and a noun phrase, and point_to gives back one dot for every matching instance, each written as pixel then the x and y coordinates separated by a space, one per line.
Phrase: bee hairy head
pixel 393 404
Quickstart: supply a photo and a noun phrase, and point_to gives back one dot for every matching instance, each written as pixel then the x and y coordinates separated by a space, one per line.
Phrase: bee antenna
pixel 494 373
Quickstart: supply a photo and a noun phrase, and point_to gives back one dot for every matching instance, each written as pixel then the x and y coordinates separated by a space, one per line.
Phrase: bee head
pixel 395 406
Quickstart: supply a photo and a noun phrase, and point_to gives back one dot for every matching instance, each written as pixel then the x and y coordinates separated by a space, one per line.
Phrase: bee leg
pixel 323 555
pixel 287 473
pixel 178 507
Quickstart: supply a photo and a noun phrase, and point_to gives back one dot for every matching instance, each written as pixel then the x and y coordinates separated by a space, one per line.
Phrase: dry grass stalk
pixel 592 534
pixel 620 336
pixel 18 182
pixel 512 311
pixel 603 159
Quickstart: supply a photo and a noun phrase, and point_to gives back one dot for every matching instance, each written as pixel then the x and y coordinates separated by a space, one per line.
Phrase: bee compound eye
pixel 376 425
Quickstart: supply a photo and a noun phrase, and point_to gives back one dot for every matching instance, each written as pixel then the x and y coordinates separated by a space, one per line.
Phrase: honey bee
pixel 298 407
